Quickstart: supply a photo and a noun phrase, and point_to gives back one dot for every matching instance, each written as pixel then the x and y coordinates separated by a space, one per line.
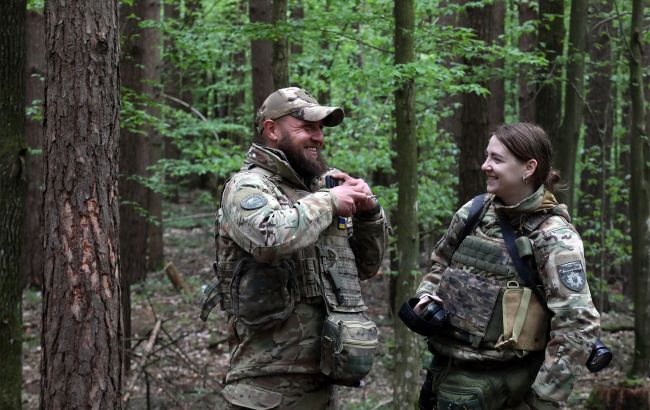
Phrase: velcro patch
pixel 572 275
pixel 252 202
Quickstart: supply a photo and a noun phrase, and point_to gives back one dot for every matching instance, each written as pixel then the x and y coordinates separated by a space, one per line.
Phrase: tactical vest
pixel 498 317
pixel 325 271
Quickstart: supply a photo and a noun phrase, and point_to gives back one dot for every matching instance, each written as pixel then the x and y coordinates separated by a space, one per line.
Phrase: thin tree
pixel 566 145
pixel 261 53
pixel 527 43
pixel 407 350
pixel 34 88
pixel 639 199
pixel 13 188
pixel 280 47
pixel 82 332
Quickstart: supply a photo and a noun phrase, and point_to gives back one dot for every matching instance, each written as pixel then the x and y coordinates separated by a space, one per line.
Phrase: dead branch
pixel 142 359
pixel 175 277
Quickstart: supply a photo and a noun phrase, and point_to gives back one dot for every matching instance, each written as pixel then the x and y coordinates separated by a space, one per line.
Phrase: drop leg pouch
pixel 472 390
pixel 348 345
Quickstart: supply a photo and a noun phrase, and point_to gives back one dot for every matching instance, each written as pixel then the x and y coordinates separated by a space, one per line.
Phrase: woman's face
pixel 505 173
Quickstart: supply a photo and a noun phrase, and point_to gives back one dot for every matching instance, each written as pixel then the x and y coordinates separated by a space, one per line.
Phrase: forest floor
pixel 188 362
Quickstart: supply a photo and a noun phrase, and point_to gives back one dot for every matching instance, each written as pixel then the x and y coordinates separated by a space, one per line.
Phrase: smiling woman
pixel 497 347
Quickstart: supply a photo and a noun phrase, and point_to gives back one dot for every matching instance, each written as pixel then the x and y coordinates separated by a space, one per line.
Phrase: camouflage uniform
pixel 557 251
pixel 269 224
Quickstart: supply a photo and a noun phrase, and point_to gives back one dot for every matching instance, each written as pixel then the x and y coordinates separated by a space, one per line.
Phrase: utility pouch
pixel 460 390
pixel 210 297
pixel 524 320
pixel 262 295
pixel 341 286
pixel 469 300
pixel 348 345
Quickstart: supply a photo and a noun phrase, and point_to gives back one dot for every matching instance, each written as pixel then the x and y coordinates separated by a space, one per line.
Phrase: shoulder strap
pixel 523 270
pixel 472 218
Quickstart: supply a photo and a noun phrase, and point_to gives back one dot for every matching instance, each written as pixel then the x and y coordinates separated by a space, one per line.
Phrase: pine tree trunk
pixel 566 147
pixel 82 331
pixel 34 87
pixel 496 84
pixel 639 199
pixel 407 350
pixel 475 132
pixel 13 188
pixel 261 53
pixel 548 104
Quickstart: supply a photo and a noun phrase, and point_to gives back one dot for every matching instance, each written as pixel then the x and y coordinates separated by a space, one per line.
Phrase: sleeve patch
pixel 252 202
pixel 572 275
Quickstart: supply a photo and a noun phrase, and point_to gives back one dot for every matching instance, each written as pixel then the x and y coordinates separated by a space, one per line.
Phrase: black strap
pixel 524 271
pixel 472 218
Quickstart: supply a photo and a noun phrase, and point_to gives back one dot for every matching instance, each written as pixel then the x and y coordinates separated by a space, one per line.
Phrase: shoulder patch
pixel 252 202
pixel 572 275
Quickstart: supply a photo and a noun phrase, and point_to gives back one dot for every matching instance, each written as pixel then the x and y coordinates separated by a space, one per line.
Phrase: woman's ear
pixel 531 167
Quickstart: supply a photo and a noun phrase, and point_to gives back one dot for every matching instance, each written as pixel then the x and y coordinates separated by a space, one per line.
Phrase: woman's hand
pixel 424 301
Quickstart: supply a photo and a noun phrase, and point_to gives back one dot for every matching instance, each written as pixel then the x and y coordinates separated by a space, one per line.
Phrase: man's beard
pixel 307 168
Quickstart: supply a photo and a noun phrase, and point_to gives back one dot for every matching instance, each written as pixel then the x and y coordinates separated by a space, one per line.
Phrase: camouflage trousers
pixel 479 386
pixel 290 391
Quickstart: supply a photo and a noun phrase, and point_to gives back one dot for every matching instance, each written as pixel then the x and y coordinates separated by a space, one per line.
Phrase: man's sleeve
pixel 369 241
pixel 255 219
pixel 576 323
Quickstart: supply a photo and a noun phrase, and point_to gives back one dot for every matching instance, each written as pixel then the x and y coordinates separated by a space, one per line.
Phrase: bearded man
pixel 293 239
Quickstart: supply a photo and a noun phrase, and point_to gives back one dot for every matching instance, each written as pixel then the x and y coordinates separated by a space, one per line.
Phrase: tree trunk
pixel 593 206
pixel 527 43
pixel 496 84
pixel 548 104
pixel 566 148
pixel 475 132
pixel 407 350
pixel 151 66
pixel 34 74
pixel 13 189
pixel 82 331
pixel 639 199
pixel 280 48
pixel 261 53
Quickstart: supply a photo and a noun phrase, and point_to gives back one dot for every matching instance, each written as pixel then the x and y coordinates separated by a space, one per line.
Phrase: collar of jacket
pixel 275 161
pixel 540 201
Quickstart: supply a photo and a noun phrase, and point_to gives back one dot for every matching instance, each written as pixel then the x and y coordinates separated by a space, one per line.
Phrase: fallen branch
pixel 383 403
pixel 175 277
pixel 148 347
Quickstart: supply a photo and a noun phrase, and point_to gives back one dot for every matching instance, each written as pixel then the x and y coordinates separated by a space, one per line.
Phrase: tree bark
pixel 82 331
pixel 280 48
pixel 593 206
pixel 475 131
pixel 261 53
pixel 548 104
pixel 639 199
pixel 566 147
pixel 496 84
pixel 527 43
pixel 407 350
pixel 34 95
pixel 13 188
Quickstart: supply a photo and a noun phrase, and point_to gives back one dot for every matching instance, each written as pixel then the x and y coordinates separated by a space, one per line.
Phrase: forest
pixel 121 121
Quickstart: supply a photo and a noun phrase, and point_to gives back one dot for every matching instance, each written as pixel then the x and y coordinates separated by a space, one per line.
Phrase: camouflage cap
pixel 298 103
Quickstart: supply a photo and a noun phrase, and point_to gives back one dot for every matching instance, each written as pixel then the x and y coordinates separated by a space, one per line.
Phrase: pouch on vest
pixel 524 320
pixel 250 396
pixel 469 300
pixel 210 297
pixel 348 346
pixel 341 286
pixel 262 295
pixel 471 391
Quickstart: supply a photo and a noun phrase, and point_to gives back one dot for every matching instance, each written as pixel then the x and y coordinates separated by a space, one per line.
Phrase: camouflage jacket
pixel 269 218
pixel 559 257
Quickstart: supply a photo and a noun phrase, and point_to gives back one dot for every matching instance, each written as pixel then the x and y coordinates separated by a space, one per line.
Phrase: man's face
pixel 302 142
